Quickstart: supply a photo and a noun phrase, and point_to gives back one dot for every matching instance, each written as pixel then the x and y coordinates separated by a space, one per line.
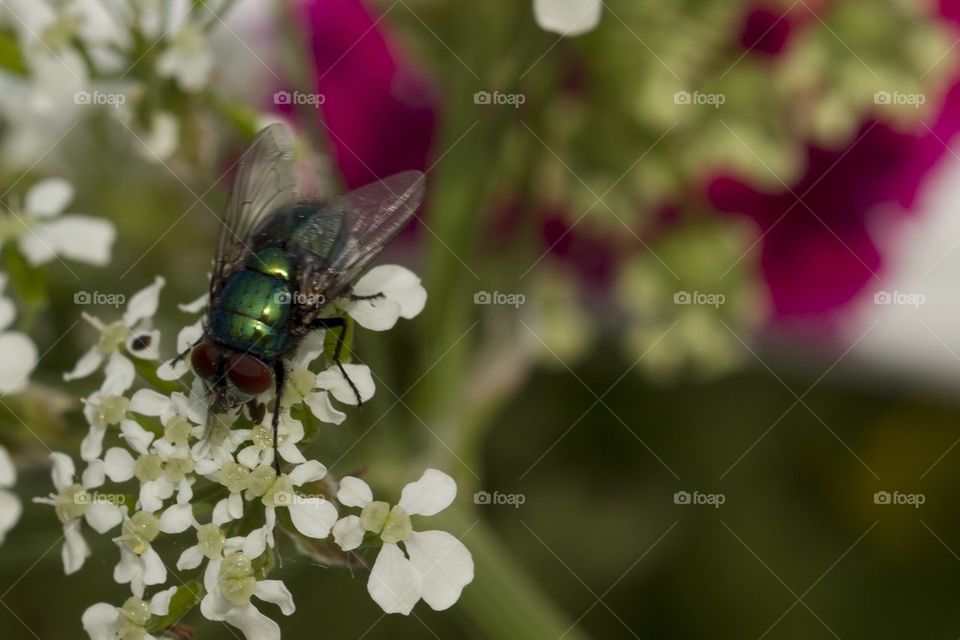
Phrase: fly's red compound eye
pixel 248 374
pixel 204 360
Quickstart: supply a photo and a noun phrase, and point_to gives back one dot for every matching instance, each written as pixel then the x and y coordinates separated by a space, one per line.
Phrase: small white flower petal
pixel 171 370
pixel 354 492
pixel 429 495
pixel 75 550
pixel 313 517
pixel 10 510
pixel 309 471
pixel 291 453
pixel 87 364
pixel 92 445
pixel 221 512
pixel 18 358
pixel 153 570
pixel 63 470
pixel 118 375
pixel 255 543
pixel 444 564
pixel 333 381
pixel 394 583
pixel 103 516
pixel 235 505
pixel 190 559
pixel 276 592
pixel 136 436
pixel 118 464
pixel 348 533
pixel 160 602
pixel 81 238
pixel 402 296
pixel 321 407
pixel 143 304
pixel 8 473
pixel 48 198
pixel 153 493
pixel 177 519
pixel 249 457
pixel 253 624
pixel 567 17
pixel 196 306
pixel 214 606
pixel 100 621
pixel 148 402
pixel 94 475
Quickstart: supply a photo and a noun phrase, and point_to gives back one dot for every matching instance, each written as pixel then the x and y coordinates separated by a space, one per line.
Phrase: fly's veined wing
pixel 264 181
pixel 372 215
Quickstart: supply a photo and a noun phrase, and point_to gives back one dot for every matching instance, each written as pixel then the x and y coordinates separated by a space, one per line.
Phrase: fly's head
pixel 232 377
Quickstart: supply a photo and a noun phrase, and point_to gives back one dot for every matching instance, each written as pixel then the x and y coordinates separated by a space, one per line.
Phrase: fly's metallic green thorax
pixel 313 232
pixel 253 308
pixel 272 261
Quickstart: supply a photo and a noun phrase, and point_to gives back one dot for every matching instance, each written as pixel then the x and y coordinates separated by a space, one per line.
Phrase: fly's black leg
pixel 374 296
pixel 341 324
pixel 279 376
pixel 183 354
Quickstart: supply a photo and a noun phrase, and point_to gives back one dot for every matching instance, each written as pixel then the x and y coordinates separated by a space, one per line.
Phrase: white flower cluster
pixel 167 457
pixel 80 55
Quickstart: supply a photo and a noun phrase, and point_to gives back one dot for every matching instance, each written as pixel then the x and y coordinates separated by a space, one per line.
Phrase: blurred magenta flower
pixel 379 110
pixel 817 253
pixel 765 31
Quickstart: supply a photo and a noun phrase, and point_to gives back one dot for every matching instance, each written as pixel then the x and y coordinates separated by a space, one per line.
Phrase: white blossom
pixel 316 389
pixel 396 293
pixel 10 507
pixel 125 332
pixel 230 585
pixel 567 17
pixel 432 565
pixel 73 502
pixel 104 621
pixel 44 232
pixel 18 354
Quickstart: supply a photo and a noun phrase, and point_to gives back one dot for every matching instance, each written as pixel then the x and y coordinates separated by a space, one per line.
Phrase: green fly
pixel 280 260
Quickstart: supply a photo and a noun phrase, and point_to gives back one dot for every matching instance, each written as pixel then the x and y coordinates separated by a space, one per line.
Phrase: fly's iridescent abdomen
pixel 253 308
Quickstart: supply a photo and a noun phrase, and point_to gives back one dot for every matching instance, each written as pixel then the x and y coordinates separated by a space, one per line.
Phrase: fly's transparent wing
pixel 372 215
pixel 264 181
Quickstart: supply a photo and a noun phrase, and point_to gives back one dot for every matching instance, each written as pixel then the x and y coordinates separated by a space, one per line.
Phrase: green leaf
pixel 29 281
pixel 10 57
